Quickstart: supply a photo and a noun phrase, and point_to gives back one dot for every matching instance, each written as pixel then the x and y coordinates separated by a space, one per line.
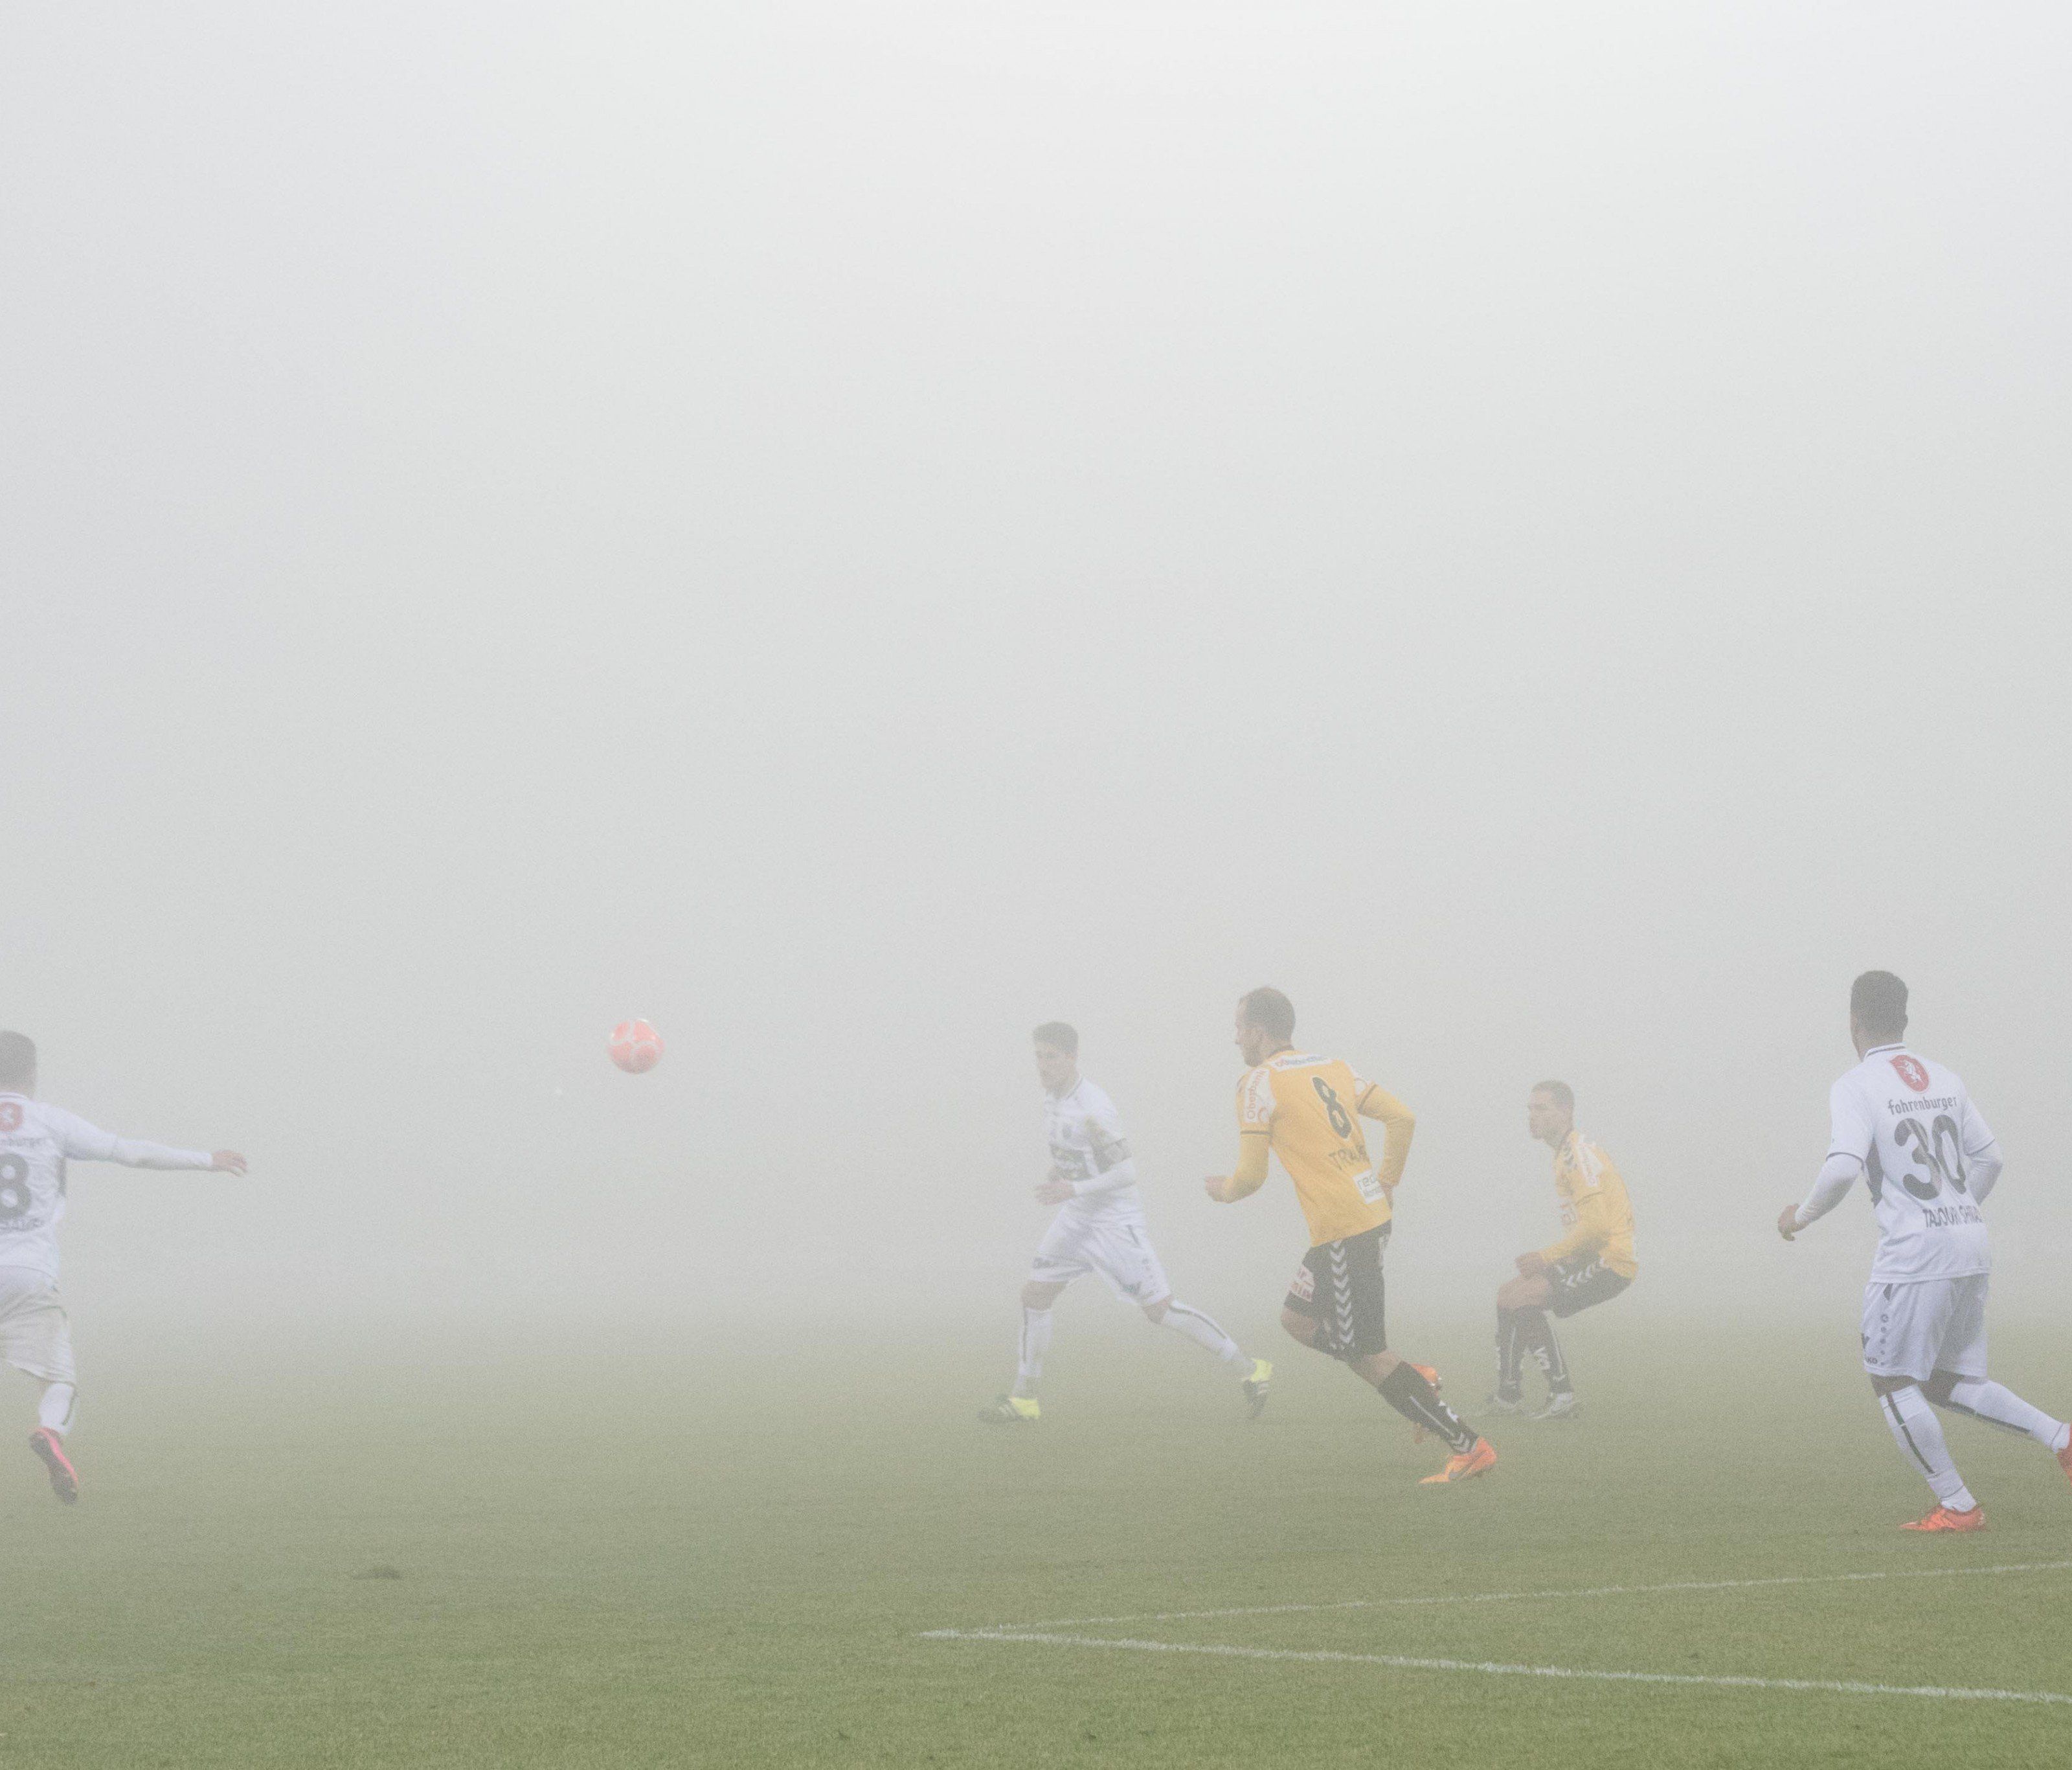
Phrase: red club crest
pixel 1912 1072
pixel 11 1115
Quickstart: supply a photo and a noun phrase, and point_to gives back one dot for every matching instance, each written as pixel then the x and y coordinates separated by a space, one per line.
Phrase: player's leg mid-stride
pixel 1308 1110
pixel 1910 1407
pixel 1099 1228
pixel 1019 1406
pixel 1354 1323
pixel 35 1337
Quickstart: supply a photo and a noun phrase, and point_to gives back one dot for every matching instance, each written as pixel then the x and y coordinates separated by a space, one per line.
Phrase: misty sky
pixel 851 530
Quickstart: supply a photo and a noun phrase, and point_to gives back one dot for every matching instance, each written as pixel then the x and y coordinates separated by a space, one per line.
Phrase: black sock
pixel 1537 1331
pixel 1510 1355
pixel 1417 1402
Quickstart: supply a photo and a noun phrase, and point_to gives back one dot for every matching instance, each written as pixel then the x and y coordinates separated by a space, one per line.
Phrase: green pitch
pixel 737 1557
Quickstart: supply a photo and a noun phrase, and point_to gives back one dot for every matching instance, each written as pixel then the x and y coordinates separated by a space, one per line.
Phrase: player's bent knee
pixel 1939 1386
pixel 1891 1385
pixel 1155 1312
pixel 1302 1328
pixel 1035 1295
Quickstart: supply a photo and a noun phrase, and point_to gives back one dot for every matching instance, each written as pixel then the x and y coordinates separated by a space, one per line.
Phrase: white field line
pixel 1498 1669
pixel 1523 1597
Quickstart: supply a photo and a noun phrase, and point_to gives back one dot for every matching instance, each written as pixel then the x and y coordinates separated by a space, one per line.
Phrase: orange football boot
pixel 64 1478
pixel 1942 1518
pixel 1479 1461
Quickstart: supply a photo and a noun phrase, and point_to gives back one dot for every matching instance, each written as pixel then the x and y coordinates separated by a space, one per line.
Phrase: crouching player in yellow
pixel 1592 1263
pixel 1307 1110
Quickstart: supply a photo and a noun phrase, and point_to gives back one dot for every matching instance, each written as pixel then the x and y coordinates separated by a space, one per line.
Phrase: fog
pixel 850 531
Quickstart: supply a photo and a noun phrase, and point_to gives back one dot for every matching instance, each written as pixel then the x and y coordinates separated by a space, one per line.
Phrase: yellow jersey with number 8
pixel 1309 1109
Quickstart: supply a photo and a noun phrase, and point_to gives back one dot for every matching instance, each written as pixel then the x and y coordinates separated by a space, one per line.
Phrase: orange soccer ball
pixel 636 1047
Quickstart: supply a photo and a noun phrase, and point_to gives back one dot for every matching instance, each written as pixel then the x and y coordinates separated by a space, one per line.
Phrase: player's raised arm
pixel 1399 1126
pixel 85 1143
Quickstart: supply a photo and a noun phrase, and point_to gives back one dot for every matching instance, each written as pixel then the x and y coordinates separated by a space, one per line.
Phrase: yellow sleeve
pixel 1251 1174
pixel 1400 1126
pixel 1591 1232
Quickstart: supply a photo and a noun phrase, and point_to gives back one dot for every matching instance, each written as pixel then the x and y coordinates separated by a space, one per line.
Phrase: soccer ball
pixel 636 1047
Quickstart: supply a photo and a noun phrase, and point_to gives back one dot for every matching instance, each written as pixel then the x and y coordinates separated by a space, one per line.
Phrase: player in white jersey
pixel 1908 1127
pixel 1099 1227
pixel 36 1141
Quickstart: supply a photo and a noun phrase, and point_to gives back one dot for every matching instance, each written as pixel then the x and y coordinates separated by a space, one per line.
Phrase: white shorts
pixel 1117 1249
pixel 35 1334
pixel 1915 1330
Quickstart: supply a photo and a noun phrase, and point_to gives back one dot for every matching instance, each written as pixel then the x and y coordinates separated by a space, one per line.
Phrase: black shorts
pixel 1581 1283
pixel 1338 1285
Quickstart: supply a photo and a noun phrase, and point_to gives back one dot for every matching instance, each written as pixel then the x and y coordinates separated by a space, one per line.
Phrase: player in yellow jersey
pixel 1592 1262
pixel 1307 1110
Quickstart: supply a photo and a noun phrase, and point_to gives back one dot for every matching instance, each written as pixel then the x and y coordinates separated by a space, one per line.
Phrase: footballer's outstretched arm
pixel 1252 1147
pixel 1399 1125
pixel 85 1143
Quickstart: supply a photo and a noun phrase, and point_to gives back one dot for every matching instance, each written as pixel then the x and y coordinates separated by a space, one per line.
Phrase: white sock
pixel 1035 1342
pixel 1917 1432
pixel 1999 1405
pixel 1198 1328
pixel 58 1408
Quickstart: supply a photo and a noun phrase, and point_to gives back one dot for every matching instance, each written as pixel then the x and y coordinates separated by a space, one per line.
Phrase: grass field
pixel 707 1555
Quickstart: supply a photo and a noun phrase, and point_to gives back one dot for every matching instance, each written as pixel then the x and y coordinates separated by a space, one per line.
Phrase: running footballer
pixel 1307 1110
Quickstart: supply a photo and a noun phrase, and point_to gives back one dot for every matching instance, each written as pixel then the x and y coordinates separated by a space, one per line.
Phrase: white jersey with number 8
pixel 36 1141
pixel 1911 1124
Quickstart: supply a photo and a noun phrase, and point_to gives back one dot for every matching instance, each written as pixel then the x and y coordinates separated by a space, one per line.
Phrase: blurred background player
pixel 1307 1110
pixel 1099 1227
pixel 1592 1263
pixel 36 1141
pixel 1908 1125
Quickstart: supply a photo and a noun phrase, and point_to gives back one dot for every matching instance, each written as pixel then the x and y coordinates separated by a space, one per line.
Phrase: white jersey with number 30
pixel 1911 1124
